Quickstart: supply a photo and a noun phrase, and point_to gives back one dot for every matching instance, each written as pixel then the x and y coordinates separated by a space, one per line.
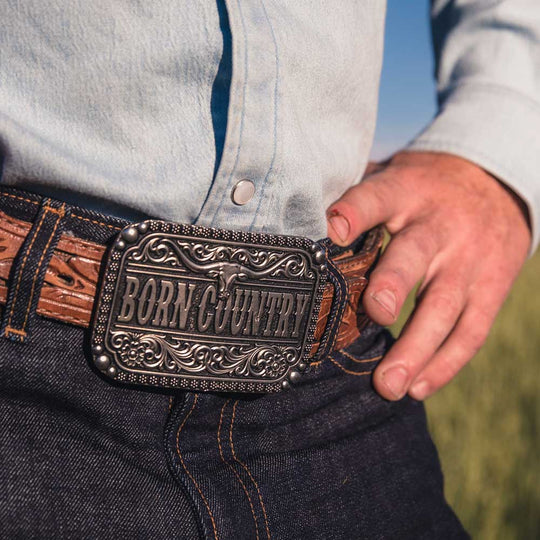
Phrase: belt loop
pixel 339 303
pixel 28 271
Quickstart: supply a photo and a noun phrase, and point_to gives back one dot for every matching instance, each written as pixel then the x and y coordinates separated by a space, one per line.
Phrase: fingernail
pixel 340 225
pixel 387 299
pixel 419 390
pixel 395 379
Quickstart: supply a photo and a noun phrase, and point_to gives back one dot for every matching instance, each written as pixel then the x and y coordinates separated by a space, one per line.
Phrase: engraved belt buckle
pixel 207 309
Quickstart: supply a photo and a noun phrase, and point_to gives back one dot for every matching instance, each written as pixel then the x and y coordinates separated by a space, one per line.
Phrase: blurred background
pixel 485 423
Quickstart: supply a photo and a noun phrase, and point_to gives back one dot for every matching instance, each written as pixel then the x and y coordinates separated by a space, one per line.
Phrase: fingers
pixel 433 320
pixel 402 266
pixel 362 207
pixel 452 227
pixel 465 341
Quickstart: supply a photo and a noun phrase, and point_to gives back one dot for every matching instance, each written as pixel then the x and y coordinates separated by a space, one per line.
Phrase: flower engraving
pixel 133 350
pixel 276 367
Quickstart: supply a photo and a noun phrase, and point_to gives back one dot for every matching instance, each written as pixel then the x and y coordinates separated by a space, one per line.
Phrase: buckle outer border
pixel 103 312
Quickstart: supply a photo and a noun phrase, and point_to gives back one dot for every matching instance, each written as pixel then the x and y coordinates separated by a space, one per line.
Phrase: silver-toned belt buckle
pixel 207 309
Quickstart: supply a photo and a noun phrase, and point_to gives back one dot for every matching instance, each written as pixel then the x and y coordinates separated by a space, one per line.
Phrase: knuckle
pixel 420 242
pixel 375 195
pixel 393 278
pixel 447 303
pixel 477 327
pixel 468 342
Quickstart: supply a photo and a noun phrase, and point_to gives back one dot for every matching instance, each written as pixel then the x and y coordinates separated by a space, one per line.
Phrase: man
pixel 255 116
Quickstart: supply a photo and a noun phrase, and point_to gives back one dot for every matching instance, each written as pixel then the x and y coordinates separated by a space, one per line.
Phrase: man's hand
pixel 458 230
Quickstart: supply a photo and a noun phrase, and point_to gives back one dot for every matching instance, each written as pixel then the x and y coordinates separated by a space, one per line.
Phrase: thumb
pixel 359 209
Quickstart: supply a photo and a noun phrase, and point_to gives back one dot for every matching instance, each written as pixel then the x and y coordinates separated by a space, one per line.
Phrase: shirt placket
pixel 243 180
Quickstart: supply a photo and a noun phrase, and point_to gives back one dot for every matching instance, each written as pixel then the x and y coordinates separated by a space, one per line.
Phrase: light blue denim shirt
pixel 163 107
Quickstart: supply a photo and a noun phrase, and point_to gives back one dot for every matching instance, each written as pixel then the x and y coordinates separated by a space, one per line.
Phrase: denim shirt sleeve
pixel 488 72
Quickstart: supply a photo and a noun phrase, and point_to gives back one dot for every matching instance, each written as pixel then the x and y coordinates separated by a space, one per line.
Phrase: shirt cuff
pixel 496 128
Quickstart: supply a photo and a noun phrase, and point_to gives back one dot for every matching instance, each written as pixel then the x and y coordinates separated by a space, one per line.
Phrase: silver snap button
pixel 242 192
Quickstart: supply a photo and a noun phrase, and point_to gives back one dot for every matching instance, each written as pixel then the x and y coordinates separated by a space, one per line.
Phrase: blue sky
pixel 407 94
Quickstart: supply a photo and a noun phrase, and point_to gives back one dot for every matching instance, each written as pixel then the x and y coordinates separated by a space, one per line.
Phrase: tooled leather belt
pixel 187 307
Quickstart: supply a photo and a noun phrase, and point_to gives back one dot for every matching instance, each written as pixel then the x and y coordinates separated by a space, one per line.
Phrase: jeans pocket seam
pixel 349 371
pixel 360 359
pixel 246 468
pixel 230 465
pixel 195 483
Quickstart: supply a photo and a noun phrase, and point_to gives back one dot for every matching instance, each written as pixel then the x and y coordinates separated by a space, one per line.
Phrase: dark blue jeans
pixel 85 458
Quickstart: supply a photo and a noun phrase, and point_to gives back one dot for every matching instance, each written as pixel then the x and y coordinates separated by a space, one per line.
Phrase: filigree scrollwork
pixel 154 352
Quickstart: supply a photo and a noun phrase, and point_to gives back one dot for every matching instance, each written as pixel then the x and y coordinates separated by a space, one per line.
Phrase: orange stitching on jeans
pixel 348 370
pixel 73 215
pixel 11 330
pixel 248 471
pixel 362 361
pixel 234 470
pixel 60 214
pixel 58 211
pixel 19 198
pixel 96 222
pixel 25 258
pixel 186 469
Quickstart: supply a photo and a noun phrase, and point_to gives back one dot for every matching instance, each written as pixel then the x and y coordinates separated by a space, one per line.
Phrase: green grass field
pixel 486 423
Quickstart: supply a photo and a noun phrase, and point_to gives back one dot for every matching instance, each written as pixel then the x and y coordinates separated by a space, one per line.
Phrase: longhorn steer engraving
pixel 226 271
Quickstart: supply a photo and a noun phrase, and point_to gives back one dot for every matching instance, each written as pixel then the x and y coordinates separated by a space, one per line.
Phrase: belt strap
pixel 71 278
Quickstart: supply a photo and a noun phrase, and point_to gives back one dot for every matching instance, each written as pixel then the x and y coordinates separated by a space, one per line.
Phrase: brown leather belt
pixel 72 278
